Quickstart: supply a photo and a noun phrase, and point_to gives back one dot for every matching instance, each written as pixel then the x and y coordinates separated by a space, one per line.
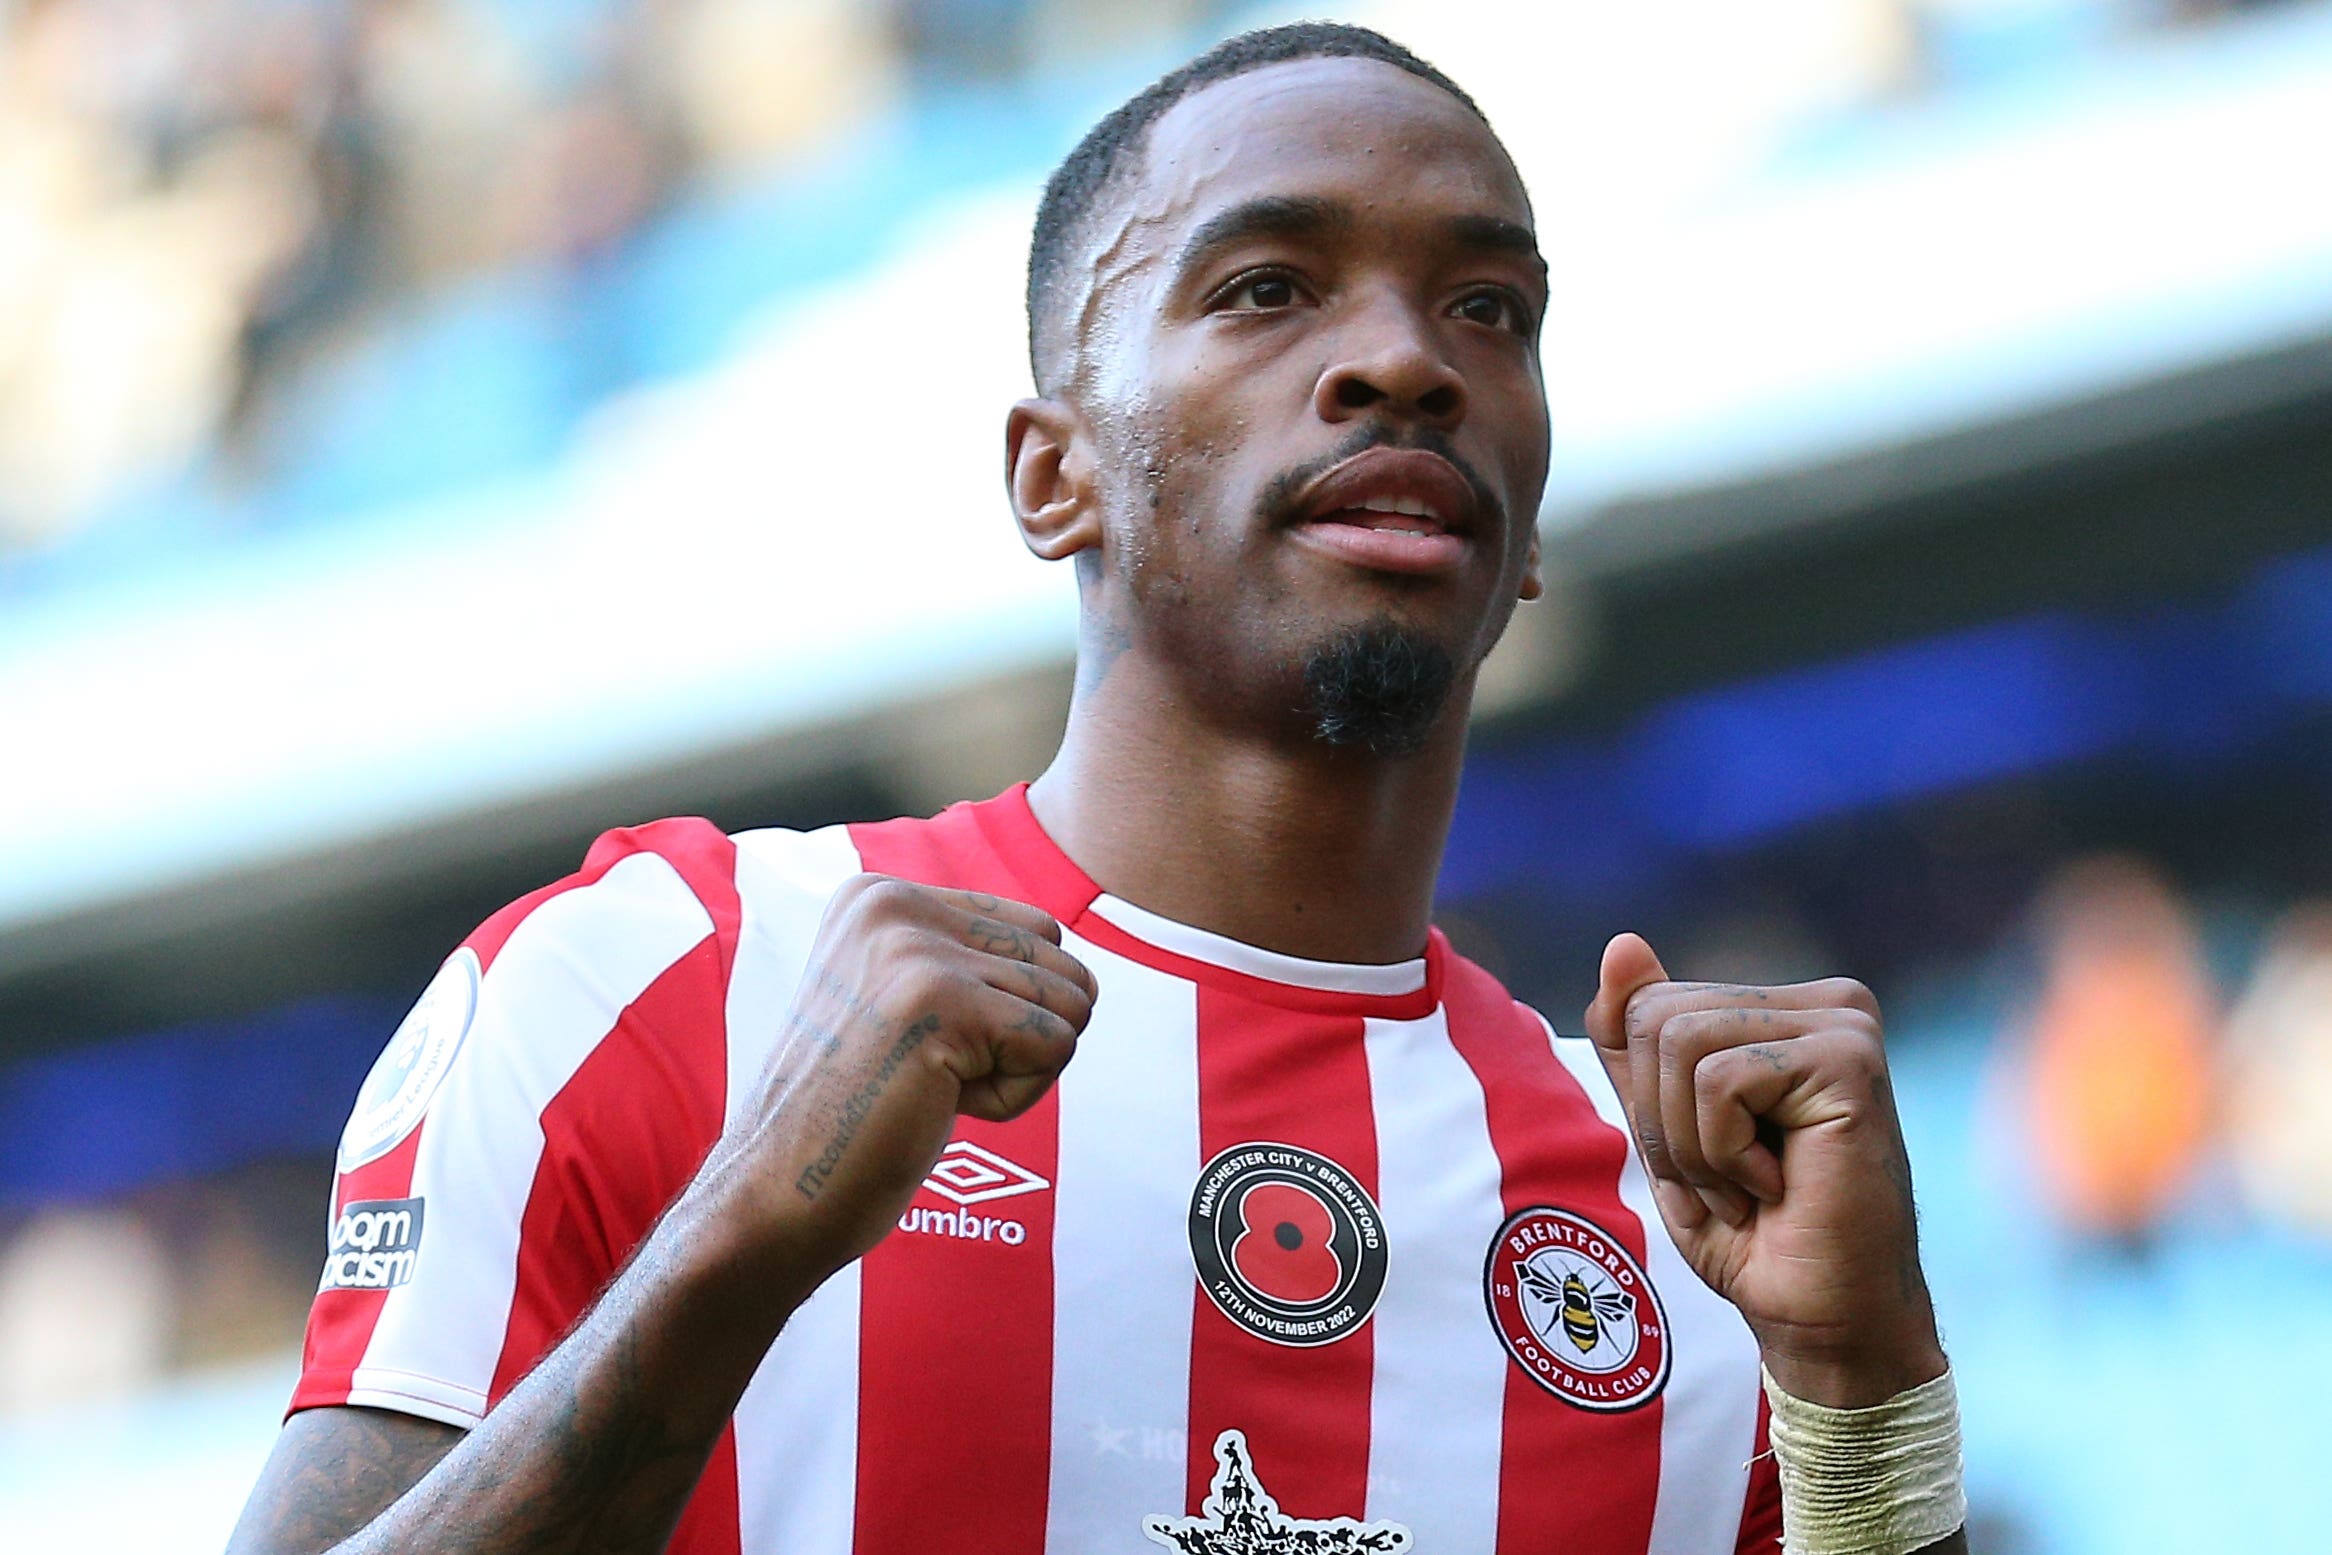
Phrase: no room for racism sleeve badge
pixel 1288 1244
pixel 1576 1311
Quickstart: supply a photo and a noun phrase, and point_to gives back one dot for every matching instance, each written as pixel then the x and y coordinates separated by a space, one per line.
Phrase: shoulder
pixel 1475 997
pixel 675 878
pixel 1519 1045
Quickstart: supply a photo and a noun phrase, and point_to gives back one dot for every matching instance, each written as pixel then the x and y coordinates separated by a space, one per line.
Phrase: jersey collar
pixel 1398 990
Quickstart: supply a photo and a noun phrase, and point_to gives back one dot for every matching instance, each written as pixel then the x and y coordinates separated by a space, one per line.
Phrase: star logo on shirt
pixel 1242 1519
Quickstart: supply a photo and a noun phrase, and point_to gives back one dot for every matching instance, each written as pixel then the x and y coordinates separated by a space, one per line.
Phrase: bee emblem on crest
pixel 1573 1307
pixel 1582 1312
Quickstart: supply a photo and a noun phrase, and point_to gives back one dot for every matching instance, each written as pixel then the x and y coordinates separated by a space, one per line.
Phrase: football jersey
pixel 1294 1256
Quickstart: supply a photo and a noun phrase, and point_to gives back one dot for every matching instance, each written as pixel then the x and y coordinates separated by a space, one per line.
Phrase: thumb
pixel 1628 965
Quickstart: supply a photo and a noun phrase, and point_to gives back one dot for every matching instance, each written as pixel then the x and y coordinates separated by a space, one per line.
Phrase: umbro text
pixel 963 1225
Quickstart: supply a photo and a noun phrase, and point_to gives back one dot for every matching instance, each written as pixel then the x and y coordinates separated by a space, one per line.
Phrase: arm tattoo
pixel 332 1472
pixel 618 1475
pixel 861 1102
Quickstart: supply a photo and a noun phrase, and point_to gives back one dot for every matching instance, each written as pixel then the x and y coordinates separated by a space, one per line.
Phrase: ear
pixel 1533 585
pixel 1048 469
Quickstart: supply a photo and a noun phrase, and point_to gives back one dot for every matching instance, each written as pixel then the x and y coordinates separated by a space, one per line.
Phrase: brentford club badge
pixel 1287 1243
pixel 1575 1310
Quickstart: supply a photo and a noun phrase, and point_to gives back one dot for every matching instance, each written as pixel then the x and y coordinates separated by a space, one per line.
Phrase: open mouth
pixel 1391 510
pixel 1389 515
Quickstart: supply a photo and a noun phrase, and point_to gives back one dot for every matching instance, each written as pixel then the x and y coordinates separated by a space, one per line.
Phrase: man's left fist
pixel 1767 1124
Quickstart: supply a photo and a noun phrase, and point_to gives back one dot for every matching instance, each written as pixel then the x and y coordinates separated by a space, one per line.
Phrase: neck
pixel 1293 846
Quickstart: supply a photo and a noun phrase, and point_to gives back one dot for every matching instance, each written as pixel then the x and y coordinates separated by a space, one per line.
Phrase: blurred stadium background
pixel 433 431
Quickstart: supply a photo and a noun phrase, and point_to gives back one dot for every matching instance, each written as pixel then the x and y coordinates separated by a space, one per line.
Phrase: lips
pixel 1391 510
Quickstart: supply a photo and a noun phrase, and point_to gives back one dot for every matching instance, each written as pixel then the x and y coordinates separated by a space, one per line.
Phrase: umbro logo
pixel 966 1174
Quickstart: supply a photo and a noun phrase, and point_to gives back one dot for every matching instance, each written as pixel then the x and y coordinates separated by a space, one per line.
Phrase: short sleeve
pixel 558 1081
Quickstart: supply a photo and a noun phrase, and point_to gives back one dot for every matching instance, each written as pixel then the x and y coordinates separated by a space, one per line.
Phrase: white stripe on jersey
pixel 555 990
pixel 801 1408
pixel 784 880
pixel 1708 1411
pixel 1122 1275
pixel 1436 1411
pixel 1392 977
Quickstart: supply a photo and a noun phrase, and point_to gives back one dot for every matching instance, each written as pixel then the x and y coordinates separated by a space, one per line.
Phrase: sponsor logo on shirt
pixel 966 1174
pixel 1241 1518
pixel 414 1063
pixel 375 1244
pixel 1288 1244
pixel 964 1225
pixel 1576 1311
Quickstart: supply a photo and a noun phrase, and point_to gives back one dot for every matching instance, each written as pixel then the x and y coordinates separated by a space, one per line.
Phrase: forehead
pixel 1357 130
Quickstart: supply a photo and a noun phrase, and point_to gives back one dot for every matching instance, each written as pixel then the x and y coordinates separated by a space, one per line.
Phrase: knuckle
pixel 1870 1052
pixel 883 896
pixel 1847 994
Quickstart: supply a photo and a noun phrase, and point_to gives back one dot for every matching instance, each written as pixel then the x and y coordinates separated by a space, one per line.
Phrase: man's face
pixel 1310 369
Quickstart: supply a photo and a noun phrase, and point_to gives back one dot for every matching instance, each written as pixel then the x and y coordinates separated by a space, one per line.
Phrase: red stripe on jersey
pixel 637 1117
pixel 708 1524
pixel 624 1135
pixel 1761 1509
pixel 955 1332
pixel 340 1323
pixel 1010 831
pixel 1267 1074
pixel 1554 1151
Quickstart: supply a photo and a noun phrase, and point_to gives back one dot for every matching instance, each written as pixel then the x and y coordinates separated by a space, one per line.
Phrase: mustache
pixel 1277 504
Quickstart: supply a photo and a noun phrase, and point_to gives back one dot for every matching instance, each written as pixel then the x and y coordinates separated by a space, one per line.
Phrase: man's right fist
pixel 917 1004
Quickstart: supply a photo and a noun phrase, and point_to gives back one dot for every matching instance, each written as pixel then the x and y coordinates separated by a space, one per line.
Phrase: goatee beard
pixel 1377 688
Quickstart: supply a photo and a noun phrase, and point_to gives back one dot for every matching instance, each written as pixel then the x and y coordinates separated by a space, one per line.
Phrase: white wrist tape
pixel 1879 1481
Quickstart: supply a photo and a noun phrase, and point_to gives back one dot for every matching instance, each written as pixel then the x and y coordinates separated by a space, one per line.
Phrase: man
pixel 749 1180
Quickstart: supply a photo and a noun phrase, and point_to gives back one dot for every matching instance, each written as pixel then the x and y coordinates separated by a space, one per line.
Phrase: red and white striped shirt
pixel 1294 1256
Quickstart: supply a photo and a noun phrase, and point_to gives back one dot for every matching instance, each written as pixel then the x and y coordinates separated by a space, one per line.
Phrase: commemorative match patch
pixel 1288 1244
pixel 1576 1311
pixel 414 1064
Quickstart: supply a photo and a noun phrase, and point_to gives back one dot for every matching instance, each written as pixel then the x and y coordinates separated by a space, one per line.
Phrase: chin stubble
pixel 1376 688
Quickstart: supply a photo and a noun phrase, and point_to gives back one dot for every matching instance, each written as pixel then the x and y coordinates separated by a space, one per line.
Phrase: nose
pixel 1389 361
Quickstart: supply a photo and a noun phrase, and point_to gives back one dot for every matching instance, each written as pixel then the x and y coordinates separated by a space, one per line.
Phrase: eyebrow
pixel 1266 216
pixel 1304 216
pixel 1495 234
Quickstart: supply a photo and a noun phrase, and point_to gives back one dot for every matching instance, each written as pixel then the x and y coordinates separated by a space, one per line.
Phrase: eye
pixel 1259 291
pixel 1494 307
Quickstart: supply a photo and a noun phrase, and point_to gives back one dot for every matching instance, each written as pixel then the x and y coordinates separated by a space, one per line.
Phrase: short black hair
pixel 1113 145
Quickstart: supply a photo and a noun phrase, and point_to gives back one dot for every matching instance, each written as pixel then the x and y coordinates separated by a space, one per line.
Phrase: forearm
pixel 600 1446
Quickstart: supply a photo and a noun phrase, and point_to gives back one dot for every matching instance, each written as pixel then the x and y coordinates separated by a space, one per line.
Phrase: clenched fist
pixel 1765 1119
pixel 917 1005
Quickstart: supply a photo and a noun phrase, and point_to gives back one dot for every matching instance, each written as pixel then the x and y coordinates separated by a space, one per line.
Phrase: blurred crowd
pixel 2133 1074
pixel 205 202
